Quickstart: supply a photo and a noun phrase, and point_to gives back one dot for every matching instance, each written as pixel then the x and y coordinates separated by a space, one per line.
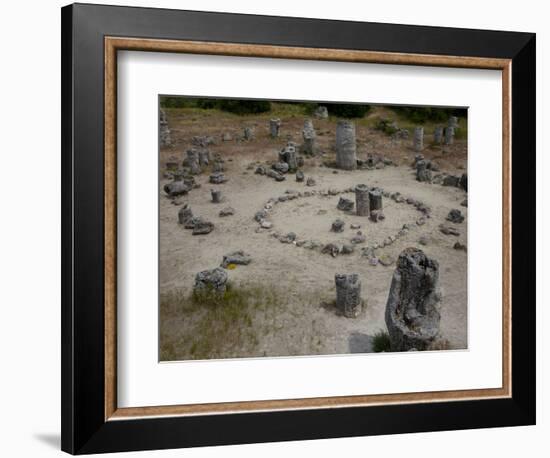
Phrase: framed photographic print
pixel 281 228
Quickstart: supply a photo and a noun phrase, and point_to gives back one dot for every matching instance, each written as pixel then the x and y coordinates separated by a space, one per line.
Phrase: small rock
pixel 464 203
pixel 281 167
pixel 203 227
pixel 227 211
pixel 338 225
pixel 358 238
pixel 260 170
pixel 288 238
pixel 311 181
pixel 355 226
pixel 347 249
pixel 386 260
pixel 345 204
pixel 421 221
pixel 460 246
pixel 266 224
pixel 455 216
pixel 299 176
pixel 423 240
pixel 448 230
pixel 237 257
pixel 373 261
pixel 331 249
pixel 260 215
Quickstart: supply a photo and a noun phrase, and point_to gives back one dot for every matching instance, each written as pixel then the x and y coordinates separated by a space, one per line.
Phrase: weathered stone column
pixel 453 122
pixel 362 200
pixel 308 133
pixel 422 171
pixel 412 310
pixel 216 195
pixel 418 139
pixel 164 131
pixel 449 135
pixel 274 126
pixel 321 112
pixel 248 133
pixel 193 162
pixel 438 135
pixel 185 213
pixel 288 155
pixel 348 294
pixel 204 157
pixel 346 147
pixel 375 200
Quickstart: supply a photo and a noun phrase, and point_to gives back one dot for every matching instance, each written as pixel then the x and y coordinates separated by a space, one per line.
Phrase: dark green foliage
pixel 381 342
pixel 347 110
pixel 423 114
pixel 244 106
pixel 387 126
pixel 176 102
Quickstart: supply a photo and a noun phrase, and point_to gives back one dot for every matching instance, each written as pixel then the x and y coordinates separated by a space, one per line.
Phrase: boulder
pixel 214 280
pixel 237 257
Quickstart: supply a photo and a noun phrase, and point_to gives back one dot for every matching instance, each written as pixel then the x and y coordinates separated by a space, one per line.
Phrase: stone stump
pixel 423 173
pixel 248 133
pixel 308 134
pixel 216 196
pixel 412 310
pixel 348 294
pixel 185 213
pixel 204 157
pixel 346 147
pixel 362 204
pixel 375 200
pixel 418 139
pixel 164 131
pixel 193 161
pixel 177 188
pixel 449 135
pixel 453 122
pixel 438 135
pixel 274 126
pixel 288 156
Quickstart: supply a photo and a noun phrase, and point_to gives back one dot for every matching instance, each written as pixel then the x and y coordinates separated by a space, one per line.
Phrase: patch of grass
pixel 207 325
pixel 381 342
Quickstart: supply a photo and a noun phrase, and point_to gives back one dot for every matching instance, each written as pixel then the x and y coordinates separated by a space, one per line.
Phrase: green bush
pixel 347 110
pixel 381 342
pixel 423 114
pixel 244 106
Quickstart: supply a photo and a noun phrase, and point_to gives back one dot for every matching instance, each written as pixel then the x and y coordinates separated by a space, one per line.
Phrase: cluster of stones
pixel 368 203
pixel 288 162
pixel 455 216
pixel 164 131
pixel 199 225
pixel 374 161
pixel 392 128
pixel 424 172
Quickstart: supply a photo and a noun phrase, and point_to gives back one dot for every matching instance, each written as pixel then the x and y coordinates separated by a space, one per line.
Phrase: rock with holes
pixel 218 178
pixel 332 249
pixel 236 257
pixel 448 230
pixel 348 294
pixel 202 227
pixel 412 310
pixel 362 203
pixel 214 280
pixel 184 214
pixel 274 126
pixel 300 176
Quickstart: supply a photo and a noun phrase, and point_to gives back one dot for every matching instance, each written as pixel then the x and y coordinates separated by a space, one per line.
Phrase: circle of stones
pixel 261 217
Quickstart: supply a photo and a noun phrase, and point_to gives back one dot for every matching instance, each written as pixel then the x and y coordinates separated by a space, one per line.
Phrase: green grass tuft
pixel 381 342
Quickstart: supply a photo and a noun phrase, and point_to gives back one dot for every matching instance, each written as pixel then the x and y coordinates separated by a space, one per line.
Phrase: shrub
pixel 244 106
pixel 381 342
pixel 347 110
pixel 423 114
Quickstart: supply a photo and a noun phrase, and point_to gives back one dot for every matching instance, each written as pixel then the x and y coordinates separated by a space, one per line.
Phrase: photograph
pixel 303 228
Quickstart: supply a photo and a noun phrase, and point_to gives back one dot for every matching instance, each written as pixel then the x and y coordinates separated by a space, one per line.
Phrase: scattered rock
pixel 266 224
pixel 321 112
pixel 386 260
pixel 311 181
pixel 448 230
pixel 423 240
pixel 276 175
pixel 281 167
pixel 347 249
pixel 338 225
pixel 202 227
pixel 218 178
pixel 214 280
pixel 260 215
pixel 464 203
pixel 358 238
pixel 455 216
pixel 355 226
pixel 261 170
pixel 299 176
pixel 288 238
pixel 460 246
pixel 227 211
pixel 237 257
pixel 345 204
pixel 332 249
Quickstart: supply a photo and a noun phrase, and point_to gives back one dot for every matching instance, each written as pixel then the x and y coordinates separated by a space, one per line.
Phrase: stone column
pixel 164 131
pixel 308 133
pixel 412 310
pixel 204 157
pixel 288 155
pixel 192 161
pixel 274 125
pixel 422 171
pixel 216 195
pixel 453 122
pixel 375 200
pixel 418 139
pixel 185 213
pixel 348 294
pixel 248 133
pixel 362 200
pixel 438 135
pixel 449 135
pixel 346 147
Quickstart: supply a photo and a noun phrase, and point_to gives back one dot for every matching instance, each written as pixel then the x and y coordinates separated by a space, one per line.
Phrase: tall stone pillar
pixel 438 135
pixel 308 134
pixel 449 135
pixel 418 139
pixel 346 147
pixel 348 294
pixel 375 200
pixel 362 204
pixel 274 126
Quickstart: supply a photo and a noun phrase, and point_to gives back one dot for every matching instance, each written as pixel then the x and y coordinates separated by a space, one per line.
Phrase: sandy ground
pixel 305 278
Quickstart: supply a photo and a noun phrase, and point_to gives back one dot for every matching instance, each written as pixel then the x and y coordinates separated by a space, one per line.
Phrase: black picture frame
pixel 84 429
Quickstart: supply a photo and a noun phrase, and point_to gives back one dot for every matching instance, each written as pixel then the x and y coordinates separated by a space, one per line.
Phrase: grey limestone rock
pixel 375 199
pixel 346 147
pixel 214 280
pixel 227 211
pixel 338 226
pixel 202 227
pixel 236 257
pixel 455 216
pixel 345 204
pixel 311 181
pixel 362 204
pixel 348 294
pixel 177 188
pixel 308 134
pixel 412 310
pixel 418 139
pixel 184 214
pixel 448 230
pixel 274 126
pixel 218 178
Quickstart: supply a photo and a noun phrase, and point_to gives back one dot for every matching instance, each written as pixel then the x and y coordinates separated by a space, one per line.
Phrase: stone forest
pixel 299 229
